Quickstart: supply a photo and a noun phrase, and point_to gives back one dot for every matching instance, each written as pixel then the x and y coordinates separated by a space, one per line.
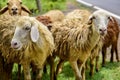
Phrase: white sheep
pixel 15 7
pixel 36 40
pixel 75 44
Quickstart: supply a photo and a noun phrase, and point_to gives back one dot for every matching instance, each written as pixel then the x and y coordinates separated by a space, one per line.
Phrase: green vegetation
pixel 110 72
pixel 46 5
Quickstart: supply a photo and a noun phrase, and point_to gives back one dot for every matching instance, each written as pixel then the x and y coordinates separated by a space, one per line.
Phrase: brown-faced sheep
pixel 75 44
pixel 111 39
pixel 15 7
pixel 36 40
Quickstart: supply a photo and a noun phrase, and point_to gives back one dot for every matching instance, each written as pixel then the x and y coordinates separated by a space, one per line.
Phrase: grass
pixel 110 72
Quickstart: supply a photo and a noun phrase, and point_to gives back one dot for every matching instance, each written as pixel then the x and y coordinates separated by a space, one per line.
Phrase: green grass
pixel 110 72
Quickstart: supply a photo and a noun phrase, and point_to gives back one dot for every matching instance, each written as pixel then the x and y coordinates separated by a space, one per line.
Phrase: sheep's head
pixel 100 20
pixel 14 7
pixel 26 31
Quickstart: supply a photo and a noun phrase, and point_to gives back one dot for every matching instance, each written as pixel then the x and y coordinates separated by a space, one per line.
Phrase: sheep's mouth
pixel 16 47
pixel 14 13
pixel 103 33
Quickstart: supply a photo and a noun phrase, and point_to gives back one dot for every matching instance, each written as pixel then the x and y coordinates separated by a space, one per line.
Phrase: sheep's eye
pixel 27 28
pixel 93 17
pixel 20 2
pixel 109 17
pixel 7 3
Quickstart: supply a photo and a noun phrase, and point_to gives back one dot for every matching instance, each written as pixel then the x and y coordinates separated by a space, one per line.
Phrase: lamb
pixel 15 7
pixel 111 39
pixel 75 44
pixel 37 42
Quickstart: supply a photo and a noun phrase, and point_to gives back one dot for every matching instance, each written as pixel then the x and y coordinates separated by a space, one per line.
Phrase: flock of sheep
pixel 34 42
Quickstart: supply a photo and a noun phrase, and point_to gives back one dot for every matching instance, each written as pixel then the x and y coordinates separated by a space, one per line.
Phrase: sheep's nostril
pixel 15 43
pixel 100 30
pixel 105 30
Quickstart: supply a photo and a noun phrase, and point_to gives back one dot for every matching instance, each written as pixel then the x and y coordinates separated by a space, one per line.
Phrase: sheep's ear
pixel 24 8
pixel 111 18
pixel 90 19
pixel 34 34
pixel 4 9
pixel 49 27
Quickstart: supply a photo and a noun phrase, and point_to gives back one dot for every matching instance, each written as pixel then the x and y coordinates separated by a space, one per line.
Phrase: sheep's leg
pixel 81 67
pixel 19 72
pixel 34 72
pixel 45 68
pixel 39 74
pixel 76 70
pixel 52 68
pixel 86 64
pixel 26 69
pixel 83 72
pixel 92 65
pixel 112 53
pixel 59 66
pixel 116 51
pixel 103 56
pixel 97 63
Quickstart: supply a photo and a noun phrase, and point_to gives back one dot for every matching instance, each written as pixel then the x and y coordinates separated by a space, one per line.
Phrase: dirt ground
pixel 71 5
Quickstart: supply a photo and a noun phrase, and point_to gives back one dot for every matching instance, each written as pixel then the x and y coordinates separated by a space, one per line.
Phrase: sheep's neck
pixel 94 36
pixel 85 39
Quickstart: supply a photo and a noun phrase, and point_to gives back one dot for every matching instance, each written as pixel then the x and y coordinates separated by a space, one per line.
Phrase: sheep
pixel 55 15
pixel 7 54
pixel 83 15
pixel 15 7
pixel 76 18
pixel 75 44
pixel 106 41
pixel 45 20
pixel 37 42
pixel 111 39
